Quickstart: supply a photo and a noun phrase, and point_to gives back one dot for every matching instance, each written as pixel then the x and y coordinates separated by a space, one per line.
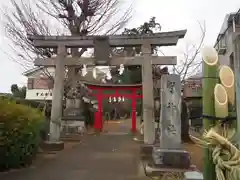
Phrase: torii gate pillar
pixel 147 88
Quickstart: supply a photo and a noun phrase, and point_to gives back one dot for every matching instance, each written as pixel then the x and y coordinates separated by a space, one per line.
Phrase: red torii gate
pixel 99 88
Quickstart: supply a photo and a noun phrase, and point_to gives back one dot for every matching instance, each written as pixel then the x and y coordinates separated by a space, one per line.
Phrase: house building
pixel 225 40
pixel 225 48
pixel 192 87
pixel 39 81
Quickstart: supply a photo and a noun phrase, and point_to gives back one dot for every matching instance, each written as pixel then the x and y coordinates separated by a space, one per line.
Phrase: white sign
pixel 116 99
pixel 39 94
pixel 44 94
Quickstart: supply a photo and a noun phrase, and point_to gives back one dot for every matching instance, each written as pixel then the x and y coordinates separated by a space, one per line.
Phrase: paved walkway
pixel 102 157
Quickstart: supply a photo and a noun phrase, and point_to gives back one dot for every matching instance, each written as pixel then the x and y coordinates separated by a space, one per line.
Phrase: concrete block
pixel 193 175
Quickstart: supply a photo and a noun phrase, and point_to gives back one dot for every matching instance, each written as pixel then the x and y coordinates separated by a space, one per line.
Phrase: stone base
pixel 52 146
pixel 168 158
pixel 146 151
pixel 73 127
pixel 156 171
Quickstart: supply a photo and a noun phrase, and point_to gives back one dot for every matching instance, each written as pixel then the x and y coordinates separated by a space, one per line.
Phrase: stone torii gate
pixel 102 45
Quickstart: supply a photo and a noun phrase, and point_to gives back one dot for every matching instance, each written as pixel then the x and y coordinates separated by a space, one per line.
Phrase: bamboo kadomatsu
pixel 210 79
pixel 227 79
pixel 221 101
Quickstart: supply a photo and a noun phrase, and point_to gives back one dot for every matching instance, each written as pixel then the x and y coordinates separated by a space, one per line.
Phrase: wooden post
pixel 148 104
pixel 57 99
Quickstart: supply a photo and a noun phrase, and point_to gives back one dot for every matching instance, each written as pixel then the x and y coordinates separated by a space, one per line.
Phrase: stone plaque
pixel 102 50
pixel 170 121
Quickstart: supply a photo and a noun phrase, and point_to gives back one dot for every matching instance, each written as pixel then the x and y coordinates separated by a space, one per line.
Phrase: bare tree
pixel 57 17
pixel 191 62
pixel 187 67
pixel 54 17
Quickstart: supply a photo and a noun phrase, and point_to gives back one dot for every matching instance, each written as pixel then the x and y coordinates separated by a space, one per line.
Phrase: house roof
pixel 227 20
pixel 31 71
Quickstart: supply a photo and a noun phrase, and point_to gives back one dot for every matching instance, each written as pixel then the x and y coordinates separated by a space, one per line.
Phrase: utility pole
pixel 237 80
pixel 236 42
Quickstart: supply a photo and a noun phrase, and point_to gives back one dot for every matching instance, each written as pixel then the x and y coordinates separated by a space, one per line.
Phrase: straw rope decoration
pixel 226 156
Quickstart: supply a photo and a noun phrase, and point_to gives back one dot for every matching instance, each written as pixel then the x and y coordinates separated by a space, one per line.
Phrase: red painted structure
pixel 99 89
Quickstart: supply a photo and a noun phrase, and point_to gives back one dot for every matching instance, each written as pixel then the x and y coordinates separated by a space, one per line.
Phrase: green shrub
pixel 31 103
pixel 20 127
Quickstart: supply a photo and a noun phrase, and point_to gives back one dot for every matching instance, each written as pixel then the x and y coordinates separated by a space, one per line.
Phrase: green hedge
pixel 20 127
pixel 31 103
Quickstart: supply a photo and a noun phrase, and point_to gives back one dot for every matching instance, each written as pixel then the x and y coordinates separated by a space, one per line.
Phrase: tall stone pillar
pixel 57 99
pixel 148 102
pixel 170 120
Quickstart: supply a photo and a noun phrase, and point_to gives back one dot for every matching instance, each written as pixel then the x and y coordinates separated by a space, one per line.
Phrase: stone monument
pixel 168 154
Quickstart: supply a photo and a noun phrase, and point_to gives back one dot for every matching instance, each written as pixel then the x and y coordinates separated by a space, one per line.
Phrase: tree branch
pixel 190 62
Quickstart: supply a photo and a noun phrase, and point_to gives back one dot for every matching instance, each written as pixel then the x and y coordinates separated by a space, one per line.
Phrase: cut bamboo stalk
pixel 210 56
pixel 210 66
pixel 221 101
pixel 227 79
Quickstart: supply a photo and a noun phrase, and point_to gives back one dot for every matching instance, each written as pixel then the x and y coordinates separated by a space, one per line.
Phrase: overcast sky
pixel 171 14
